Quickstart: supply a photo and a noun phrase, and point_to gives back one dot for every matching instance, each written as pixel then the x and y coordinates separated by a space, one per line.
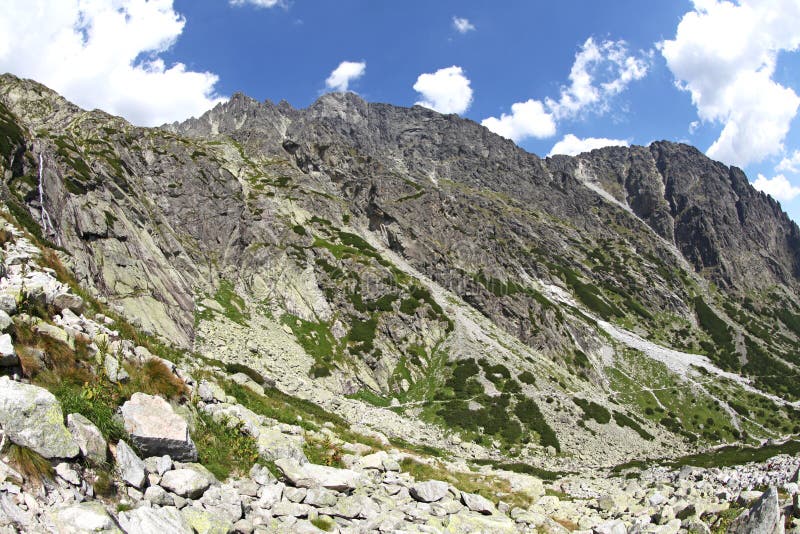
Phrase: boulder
pixel 67 473
pixel 764 517
pixel 56 333
pixel 318 476
pixel 158 465
pixel 114 371
pixel 158 496
pixel 205 522
pixel 66 300
pixel 154 521
pixel 211 392
pixel 8 303
pixel 31 416
pixel 83 517
pixel 477 503
pixel 8 356
pixel 5 321
pixel 88 437
pixel 129 466
pixel 156 429
pixel 320 497
pixel 274 445
pixel 429 491
pixel 190 481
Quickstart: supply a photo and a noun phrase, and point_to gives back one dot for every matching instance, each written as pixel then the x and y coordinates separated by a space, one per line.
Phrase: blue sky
pixel 721 75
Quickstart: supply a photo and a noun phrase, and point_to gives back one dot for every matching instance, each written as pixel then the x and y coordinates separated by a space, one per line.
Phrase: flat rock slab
pixel 31 416
pixel 156 429
pixel 83 517
pixel 130 467
pixel 429 491
pixel 154 521
pixel 318 476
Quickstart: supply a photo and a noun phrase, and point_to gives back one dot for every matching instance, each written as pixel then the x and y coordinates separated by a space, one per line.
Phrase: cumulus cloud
pixel 571 145
pixel 778 187
pixel 462 25
pixel 344 74
pixel 724 54
pixel 446 90
pixel 600 72
pixel 105 55
pixel 258 3
pixel 527 119
pixel 790 164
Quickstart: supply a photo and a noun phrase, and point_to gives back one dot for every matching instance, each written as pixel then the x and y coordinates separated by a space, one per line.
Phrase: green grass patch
pixel 527 469
pixel 222 448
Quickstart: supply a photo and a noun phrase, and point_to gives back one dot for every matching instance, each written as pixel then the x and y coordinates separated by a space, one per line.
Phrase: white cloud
pixel 258 3
pixel 346 72
pixel 790 164
pixel 724 55
pixel 446 90
pixel 105 55
pixel 778 187
pixel 462 25
pixel 572 145
pixel 600 71
pixel 527 119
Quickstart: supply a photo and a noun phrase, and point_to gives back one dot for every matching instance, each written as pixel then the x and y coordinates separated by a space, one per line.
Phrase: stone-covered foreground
pixel 168 492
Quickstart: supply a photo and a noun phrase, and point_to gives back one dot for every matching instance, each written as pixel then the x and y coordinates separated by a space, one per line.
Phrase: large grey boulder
pixel 129 466
pixel 154 521
pixel 156 429
pixel 318 476
pixel 190 481
pixel 31 416
pixel 83 517
pixel 429 491
pixel 764 517
pixel 88 437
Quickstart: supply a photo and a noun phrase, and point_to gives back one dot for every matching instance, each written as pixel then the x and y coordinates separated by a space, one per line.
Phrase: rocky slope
pixel 422 276
pixel 98 434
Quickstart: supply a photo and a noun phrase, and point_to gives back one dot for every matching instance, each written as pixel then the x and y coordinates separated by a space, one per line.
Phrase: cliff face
pixel 394 253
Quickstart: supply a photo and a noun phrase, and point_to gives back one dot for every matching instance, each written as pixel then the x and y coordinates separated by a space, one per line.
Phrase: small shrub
pixel 30 464
pixel 103 483
pixel 526 377
pixel 592 410
pixel 323 451
pixel 155 378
